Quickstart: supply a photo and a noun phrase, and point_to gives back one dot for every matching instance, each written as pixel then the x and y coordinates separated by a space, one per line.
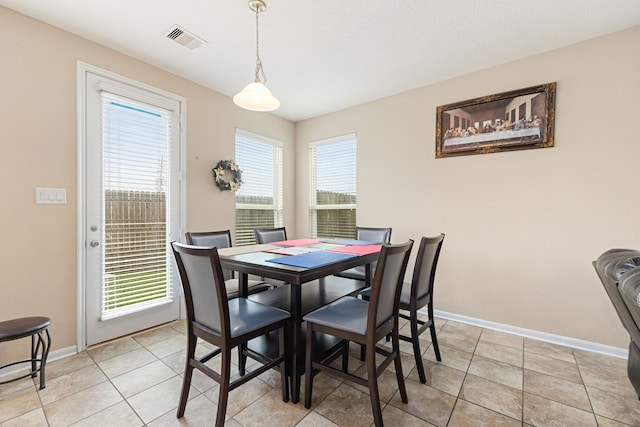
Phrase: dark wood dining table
pixel 307 289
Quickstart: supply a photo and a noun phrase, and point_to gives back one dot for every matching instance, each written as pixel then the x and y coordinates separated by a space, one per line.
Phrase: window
pixel 333 187
pixel 259 199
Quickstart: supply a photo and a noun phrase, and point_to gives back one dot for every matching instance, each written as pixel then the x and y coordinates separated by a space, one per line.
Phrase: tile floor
pixel 486 378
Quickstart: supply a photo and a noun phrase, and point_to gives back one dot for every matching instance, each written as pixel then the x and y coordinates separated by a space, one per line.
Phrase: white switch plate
pixel 51 196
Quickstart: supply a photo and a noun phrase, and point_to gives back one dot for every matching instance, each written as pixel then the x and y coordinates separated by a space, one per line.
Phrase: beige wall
pixel 38 147
pixel 522 228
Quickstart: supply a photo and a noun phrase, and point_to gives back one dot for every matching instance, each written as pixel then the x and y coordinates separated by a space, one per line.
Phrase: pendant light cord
pixel 259 70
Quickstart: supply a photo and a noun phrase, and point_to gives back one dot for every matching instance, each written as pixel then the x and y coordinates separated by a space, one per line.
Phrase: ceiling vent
pixel 183 37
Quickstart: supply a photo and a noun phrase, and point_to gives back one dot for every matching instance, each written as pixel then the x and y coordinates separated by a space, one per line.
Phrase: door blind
pixel 136 140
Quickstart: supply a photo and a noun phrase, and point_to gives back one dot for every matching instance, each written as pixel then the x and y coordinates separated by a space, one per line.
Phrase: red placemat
pixel 296 242
pixel 358 250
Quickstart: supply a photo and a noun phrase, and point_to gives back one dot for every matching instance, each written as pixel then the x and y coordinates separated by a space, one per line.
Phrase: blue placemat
pixel 350 242
pixel 312 259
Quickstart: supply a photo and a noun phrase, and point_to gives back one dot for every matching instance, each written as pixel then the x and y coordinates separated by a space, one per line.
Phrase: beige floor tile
pixel 502 338
pixel 133 382
pixel 440 377
pixel 549 350
pixel 155 335
pixel 81 405
pixel 501 353
pixel 315 420
pixel 539 411
pixel 492 395
pixel 19 403
pixel 347 406
pixel 126 362
pixel 71 383
pixel 33 418
pixel 164 348
pixel 426 403
pixel 603 379
pixel 242 397
pixel 551 366
pixel 279 413
pixel 200 411
pixel 113 349
pixel 393 416
pixel 120 415
pixel 494 370
pixel 68 365
pixel 614 407
pixel 323 386
pixel 556 389
pixel 452 357
pixel 470 331
pixel 16 386
pixel 159 399
pixel 466 414
pixel 451 338
pixel 606 422
pixel 600 361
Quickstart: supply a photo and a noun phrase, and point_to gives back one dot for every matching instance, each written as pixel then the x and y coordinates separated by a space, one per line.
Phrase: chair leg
pixel 308 374
pixel 362 352
pixel 345 356
pixel 370 361
pixel 398 365
pixel 242 359
pixel 434 340
pixel 188 373
pixel 284 365
pixel 225 379
pixel 43 360
pixel 415 340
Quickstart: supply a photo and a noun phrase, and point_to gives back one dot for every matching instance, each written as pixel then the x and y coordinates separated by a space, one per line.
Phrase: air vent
pixel 183 37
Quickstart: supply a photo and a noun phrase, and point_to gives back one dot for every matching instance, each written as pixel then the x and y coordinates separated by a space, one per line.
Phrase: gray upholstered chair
pixel 222 239
pixel 417 294
pixel 368 234
pixel 226 324
pixel 268 235
pixel 619 272
pixel 365 323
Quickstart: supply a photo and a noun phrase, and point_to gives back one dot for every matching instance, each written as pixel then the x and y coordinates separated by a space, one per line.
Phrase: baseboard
pixel 607 350
pixel 53 355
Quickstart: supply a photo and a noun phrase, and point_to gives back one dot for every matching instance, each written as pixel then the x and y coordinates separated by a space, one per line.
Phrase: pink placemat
pixel 358 250
pixel 296 242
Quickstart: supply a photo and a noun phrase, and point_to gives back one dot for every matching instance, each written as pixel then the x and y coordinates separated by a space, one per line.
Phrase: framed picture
pixel 516 120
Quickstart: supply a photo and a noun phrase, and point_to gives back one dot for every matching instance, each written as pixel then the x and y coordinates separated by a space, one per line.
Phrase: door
pixel 132 205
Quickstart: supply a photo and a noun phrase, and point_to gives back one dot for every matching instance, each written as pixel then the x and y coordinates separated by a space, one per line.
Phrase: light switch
pixel 51 196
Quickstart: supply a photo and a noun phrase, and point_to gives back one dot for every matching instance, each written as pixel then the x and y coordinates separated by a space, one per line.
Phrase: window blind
pixel 259 199
pixel 333 187
pixel 136 140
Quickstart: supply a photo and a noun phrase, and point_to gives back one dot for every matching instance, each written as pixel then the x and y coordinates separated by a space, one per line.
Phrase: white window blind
pixel 259 199
pixel 333 187
pixel 136 141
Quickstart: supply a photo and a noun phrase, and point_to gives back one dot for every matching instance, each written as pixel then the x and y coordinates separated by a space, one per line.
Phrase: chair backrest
pixel 218 239
pixel 268 235
pixel 424 270
pixel 204 287
pixel 387 283
pixel 377 235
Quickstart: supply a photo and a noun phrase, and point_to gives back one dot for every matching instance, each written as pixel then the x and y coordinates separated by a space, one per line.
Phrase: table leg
pixel 297 346
pixel 243 292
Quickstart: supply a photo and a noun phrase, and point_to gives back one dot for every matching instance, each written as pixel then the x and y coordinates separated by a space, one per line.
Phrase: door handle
pixel 94 243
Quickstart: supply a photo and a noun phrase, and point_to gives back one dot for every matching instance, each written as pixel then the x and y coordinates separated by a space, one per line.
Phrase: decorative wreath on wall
pixel 221 173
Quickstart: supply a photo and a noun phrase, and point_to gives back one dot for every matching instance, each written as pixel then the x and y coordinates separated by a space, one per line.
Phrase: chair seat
pixel 405 296
pixel 22 327
pixel 348 314
pixel 246 316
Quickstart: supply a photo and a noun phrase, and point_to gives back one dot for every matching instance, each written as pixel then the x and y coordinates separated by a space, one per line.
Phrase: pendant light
pixel 256 96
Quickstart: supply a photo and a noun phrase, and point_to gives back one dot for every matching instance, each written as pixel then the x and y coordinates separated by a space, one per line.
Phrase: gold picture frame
pixel 517 120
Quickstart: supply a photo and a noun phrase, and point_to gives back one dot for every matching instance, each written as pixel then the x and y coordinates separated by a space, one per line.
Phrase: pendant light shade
pixel 256 96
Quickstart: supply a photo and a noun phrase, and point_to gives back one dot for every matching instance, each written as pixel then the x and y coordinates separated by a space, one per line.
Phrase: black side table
pixel 34 327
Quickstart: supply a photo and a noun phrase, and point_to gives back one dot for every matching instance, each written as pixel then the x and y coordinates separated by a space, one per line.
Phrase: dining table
pixel 307 266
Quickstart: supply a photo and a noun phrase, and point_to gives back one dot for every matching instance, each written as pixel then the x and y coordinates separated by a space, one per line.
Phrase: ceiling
pixel 324 56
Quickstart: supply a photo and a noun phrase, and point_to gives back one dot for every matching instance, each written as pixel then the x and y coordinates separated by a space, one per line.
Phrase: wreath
pixel 222 171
